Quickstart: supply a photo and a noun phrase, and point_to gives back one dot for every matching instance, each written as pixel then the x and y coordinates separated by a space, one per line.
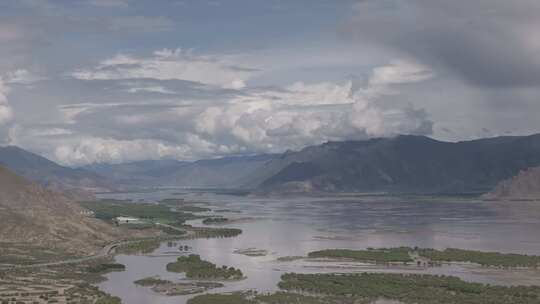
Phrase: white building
pixel 127 220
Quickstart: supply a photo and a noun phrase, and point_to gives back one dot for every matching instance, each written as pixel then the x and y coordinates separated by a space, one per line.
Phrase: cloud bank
pixel 169 64
pixel 244 121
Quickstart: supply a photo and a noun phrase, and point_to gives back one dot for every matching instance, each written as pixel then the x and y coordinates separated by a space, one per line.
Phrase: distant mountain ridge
pixel 410 164
pixel 402 164
pixel 226 172
pixel 524 186
pixel 50 174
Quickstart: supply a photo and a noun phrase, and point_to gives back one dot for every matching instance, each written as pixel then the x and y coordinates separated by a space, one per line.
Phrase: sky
pixel 112 81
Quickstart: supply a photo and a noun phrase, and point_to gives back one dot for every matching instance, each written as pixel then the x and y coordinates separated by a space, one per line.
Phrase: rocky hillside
pixel 33 215
pixel 525 185
pixel 411 164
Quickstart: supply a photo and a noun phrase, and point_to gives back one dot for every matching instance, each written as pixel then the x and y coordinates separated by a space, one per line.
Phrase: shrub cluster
pixel 196 268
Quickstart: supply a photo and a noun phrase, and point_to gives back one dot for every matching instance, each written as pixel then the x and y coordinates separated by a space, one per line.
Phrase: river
pixel 296 226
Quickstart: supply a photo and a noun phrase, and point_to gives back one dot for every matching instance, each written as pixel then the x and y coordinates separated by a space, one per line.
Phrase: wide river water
pixel 296 226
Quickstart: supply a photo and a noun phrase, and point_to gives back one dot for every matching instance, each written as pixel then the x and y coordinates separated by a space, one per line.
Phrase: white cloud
pixel 399 72
pixel 251 121
pixel 151 89
pixel 306 114
pixel 107 150
pixel 22 76
pixel 169 64
pixel 6 113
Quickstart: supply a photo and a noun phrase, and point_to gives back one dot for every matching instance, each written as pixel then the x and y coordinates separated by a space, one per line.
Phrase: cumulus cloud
pixel 305 114
pixel 488 43
pixel 99 150
pixel 169 64
pixel 251 121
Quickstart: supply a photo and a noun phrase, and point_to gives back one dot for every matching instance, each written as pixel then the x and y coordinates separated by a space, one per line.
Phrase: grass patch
pixel 479 257
pixel 215 220
pixel 151 281
pixel 419 289
pixel 105 268
pixel 196 268
pixel 110 209
pixel 209 232
pixel 405 255
pixel 139 247
pixel 383 255
pixel 294 298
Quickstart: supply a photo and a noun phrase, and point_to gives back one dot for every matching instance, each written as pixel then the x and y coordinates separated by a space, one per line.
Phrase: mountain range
pixel 227 172
pixel 410 164
pixel 401 164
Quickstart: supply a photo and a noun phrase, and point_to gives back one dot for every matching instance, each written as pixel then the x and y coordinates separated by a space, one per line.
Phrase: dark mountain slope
pixel 400 164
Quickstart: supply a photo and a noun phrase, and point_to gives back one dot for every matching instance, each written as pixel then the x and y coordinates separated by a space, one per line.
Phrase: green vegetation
pixel 367 288
pixel 235 298
pixel 482 258
pixel 209 232
pixel 110 209
pixel 215 220
pixel 106 267
pixel 151 281
pixel 139 247
pixel 406 254
pixel 383 255
pixel 109 300
pixel 252 252
pixel 175 289
pixel 294 298
pixel 171 231
pixel 289 258
pixel 410 288
pixel 196 268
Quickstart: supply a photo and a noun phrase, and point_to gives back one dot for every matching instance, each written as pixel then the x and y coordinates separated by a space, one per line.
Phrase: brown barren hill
pixel 36 216
pixel 524 186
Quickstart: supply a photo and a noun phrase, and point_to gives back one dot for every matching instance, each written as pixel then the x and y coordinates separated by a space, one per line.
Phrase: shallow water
pixel 296 226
